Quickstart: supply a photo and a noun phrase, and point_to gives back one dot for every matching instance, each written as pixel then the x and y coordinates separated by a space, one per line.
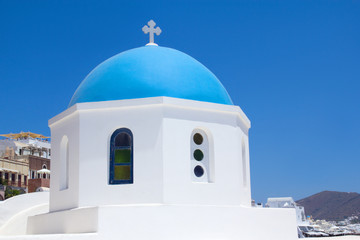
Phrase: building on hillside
pixel 25 158
pixel 288 202
pixel 39 173
pixel 25 143
pixel 14 172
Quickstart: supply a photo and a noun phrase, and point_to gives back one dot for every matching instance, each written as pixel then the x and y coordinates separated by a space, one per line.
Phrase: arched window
pixel 121 157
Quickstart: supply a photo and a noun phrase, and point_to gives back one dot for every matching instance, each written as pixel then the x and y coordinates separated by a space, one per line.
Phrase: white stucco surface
pixel 177 222
pixel 85 236
pixel 165 200
pixel 15 211
pixel 161 153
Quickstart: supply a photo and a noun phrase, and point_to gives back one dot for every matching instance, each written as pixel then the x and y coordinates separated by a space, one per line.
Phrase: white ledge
pixel 179 102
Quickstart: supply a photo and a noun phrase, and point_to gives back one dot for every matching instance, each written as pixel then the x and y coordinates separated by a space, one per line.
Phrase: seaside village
pixel 150 146
pixel 24 163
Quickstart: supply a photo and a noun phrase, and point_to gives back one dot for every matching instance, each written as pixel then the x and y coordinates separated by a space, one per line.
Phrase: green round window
pixel 198 155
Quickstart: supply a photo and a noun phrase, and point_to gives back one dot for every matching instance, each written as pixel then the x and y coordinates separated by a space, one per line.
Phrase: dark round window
pixel 199 171
pixel 198 155
pixel 198 139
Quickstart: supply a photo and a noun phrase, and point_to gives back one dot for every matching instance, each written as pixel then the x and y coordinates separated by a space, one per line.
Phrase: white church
pixel 150 147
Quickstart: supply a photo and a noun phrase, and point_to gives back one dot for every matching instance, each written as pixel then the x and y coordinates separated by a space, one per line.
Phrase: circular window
pixel 199 171
pixel 198 155
pixel 198 139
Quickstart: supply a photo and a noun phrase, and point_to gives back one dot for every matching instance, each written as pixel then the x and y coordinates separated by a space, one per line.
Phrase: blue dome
pixel 151 71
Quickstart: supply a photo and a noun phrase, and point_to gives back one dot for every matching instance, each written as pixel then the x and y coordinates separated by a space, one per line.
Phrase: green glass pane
pixel 198 155
pixel 122 156
pixel 121 172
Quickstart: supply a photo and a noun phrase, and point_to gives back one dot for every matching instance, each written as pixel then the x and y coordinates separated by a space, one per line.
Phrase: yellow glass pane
pixel 121 172
pixel 122 156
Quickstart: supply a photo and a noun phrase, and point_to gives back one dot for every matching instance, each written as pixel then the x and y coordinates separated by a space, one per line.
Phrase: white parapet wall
pixel 163 222
pixel 15 211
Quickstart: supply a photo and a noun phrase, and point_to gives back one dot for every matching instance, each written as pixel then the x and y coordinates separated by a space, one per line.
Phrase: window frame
pixel 202 156
pixel 112 163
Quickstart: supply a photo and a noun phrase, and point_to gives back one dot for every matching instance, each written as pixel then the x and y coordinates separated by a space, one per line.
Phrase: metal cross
pixel 151 30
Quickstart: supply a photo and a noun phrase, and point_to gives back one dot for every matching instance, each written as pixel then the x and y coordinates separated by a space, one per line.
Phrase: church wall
pixel 67 198
pixel 247 184
pixel 196 222
pixel 226 187
pixel 161 129
pixel 96 128
pixel 227 128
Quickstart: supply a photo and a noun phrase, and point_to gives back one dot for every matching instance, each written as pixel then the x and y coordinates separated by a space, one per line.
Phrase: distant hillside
pixel 331 205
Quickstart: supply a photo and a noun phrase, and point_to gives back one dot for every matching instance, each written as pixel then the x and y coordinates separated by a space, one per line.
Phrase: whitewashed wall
pixel 161 130
pixel 65 198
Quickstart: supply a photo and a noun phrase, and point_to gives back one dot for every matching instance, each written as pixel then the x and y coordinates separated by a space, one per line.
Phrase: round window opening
pixel 198 155
pixel 198 139
pixel 199 171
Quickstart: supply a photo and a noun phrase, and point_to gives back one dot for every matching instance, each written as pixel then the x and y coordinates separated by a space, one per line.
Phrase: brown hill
pixel 331 206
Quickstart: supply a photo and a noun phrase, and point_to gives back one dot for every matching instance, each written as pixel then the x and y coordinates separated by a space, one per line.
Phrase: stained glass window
pixel 121 157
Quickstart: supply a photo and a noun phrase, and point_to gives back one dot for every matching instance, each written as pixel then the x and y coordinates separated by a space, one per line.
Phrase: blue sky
pixel 292 66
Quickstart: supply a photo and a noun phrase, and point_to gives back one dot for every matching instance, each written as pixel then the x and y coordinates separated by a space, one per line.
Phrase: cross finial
pixel 151 30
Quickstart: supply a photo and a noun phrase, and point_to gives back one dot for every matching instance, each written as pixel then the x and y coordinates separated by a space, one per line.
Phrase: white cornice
pixel 141 102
